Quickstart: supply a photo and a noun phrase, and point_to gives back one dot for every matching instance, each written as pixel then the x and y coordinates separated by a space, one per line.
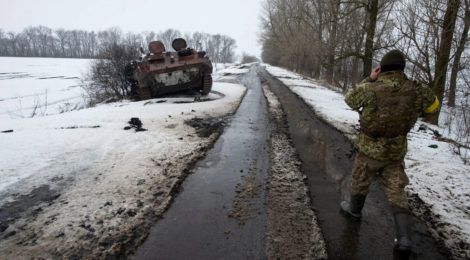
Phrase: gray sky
pixel 238 19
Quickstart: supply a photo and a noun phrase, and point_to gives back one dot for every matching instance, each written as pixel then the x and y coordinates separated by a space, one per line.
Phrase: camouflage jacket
pixel 363 100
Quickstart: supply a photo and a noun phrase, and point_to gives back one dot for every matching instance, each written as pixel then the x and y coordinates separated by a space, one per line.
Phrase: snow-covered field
pixel 83 184
pixel 40 86
pixel 437 176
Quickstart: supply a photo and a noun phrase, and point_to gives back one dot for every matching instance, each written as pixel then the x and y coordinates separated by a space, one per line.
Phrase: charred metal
pixel 160 72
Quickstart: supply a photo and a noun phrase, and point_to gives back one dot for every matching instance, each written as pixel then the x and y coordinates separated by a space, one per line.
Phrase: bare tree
pixel 62 37
pixel 440 74
pixel 108 79
pixel 325 39
pixel 372 9
pixel 247 58
pixel 228 45
pixel 3 43
pixel 149 36
pixel 329 39
pixel 168 36
pixel 456 66
pixel 197 40
pixel 110 36
pixel 131 39
pixel 44 42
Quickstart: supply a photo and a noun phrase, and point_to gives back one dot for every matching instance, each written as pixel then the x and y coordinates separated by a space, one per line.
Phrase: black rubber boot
pixel 403 231
pixel 354 207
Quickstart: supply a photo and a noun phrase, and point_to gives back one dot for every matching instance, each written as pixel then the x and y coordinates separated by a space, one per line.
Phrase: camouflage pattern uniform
pixel 382 155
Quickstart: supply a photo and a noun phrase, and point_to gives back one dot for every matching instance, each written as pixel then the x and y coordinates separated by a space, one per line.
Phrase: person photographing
pixel 389 105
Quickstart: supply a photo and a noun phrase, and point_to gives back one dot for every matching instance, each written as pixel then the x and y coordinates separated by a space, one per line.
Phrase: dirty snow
pixel 437 176
pixel 292 227
pixel 107 182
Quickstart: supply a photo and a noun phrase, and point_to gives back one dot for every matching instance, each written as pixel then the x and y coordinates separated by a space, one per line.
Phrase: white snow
pixel 51 85
pixel 230 74
pixel 86 156
pixel 42 148
pixel 221 66
pixel 438 176
pixel 234 70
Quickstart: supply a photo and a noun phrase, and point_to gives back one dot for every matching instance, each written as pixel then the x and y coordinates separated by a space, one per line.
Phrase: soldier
pixel 388 104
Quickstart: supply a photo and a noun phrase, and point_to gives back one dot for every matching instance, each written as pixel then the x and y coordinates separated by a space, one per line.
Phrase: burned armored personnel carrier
pixel 160 72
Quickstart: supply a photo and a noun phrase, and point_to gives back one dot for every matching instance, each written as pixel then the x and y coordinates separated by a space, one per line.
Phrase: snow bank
pixel 437 175
pixel 221 66
pixel 328 104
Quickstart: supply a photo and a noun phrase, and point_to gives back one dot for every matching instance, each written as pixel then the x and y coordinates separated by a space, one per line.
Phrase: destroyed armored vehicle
pixel 161 72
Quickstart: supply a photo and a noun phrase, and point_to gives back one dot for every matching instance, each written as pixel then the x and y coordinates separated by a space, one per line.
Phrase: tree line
pixel 340 40
pixel 42 41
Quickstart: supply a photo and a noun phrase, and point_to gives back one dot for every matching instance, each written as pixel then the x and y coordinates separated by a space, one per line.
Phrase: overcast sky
pixel 238 19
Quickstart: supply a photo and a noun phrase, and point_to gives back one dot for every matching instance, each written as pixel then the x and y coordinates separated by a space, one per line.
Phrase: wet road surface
pixel 197 226
pixel 327 157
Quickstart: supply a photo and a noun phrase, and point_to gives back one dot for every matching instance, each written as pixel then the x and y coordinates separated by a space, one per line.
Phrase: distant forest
pixel 42 41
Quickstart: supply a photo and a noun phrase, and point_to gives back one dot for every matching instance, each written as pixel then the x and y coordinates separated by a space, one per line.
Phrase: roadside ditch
pixel 327 157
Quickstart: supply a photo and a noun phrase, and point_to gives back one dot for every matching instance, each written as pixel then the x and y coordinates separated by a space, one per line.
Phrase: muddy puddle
pixel 327 157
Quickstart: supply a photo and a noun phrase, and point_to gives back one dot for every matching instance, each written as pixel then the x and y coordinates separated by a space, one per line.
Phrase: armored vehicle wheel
pixel 206 84
pixel 145 93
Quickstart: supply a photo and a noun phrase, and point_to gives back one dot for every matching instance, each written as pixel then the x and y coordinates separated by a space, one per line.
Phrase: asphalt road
pixel 197 225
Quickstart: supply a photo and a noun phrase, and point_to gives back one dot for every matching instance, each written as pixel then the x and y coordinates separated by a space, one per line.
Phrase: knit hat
pixel 393 60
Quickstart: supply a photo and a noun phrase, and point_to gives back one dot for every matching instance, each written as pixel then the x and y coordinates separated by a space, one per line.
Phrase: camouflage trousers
pixel 391 175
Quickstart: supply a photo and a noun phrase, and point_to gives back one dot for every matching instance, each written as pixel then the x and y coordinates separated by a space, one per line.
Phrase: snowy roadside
pixel 77 185
pixel 438 177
